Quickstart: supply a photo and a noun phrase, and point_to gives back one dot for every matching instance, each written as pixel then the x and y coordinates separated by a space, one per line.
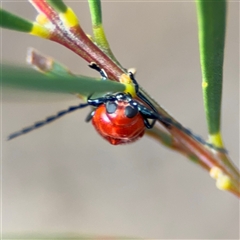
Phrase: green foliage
pixel 17 77
pixel 96 12
pixel 212 23
pixel 58 5
pixel 13 22
pixel 99 36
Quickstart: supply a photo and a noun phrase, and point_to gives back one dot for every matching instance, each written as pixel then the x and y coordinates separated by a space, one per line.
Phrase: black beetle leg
pixel 90 116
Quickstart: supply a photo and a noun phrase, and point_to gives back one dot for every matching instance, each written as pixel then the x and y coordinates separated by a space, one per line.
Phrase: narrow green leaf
pixel 96 12
pixel 17 77
pixel 58 5
pixel 11 21
pixel 211 23
pixel 99 36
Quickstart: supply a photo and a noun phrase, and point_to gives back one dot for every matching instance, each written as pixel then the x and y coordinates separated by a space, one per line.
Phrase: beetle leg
pixel 90 116
pixel 149 114
pixel 148 124
pixel 139 94
pixel 94 66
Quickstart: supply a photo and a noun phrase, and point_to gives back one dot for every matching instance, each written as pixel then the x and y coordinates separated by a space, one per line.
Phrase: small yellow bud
pixel 223 182
pixel 42 19
pixel 215 172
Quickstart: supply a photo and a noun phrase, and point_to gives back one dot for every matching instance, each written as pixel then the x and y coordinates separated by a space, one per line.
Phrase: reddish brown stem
pixel 79 43
pixel 76 40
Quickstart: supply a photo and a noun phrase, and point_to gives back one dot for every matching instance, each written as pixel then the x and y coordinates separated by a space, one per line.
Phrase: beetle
pixel 117 117
pixel 118 120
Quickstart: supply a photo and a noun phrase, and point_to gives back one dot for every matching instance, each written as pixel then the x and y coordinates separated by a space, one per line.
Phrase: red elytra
pixel 115 126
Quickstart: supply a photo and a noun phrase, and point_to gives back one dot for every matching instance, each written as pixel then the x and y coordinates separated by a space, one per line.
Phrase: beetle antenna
pixel 46 121
pixel 148 114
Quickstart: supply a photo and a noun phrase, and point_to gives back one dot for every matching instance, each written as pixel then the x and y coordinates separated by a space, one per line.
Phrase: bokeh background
pixel 64 178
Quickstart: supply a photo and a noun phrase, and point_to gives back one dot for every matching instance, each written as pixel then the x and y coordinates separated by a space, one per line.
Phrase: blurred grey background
pixel 64 178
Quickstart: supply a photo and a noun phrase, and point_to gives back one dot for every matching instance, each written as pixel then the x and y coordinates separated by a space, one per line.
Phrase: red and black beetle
pixel 117 117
